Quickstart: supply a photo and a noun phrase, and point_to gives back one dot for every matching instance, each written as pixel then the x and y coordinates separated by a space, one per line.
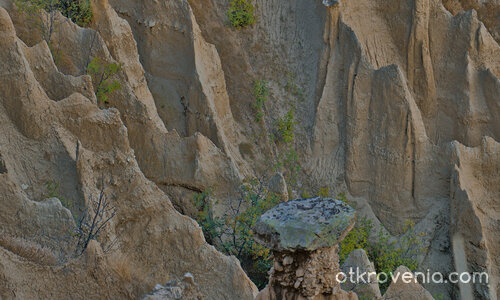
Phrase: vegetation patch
pixel 79 11
pixel 260 92
pixel 386 253
pixel 285 127
pixel 232 233
pixel 241 13
pixel 101 74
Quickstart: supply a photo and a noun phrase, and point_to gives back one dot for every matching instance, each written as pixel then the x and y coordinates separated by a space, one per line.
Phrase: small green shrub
pixel 324 192
pixel 389 254
pixel 260 92
pixel 101 74
pixel 232 233
pixel 386 253
pixel 356 239
pixel 305 195
pixel 79 11
pixel 241 13
pixel 286 127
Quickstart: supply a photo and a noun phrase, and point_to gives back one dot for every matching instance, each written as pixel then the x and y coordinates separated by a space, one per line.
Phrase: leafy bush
pixel 286 127
pixel 356 239
pixel 78 11
pixel 232 233
pixel 101 74
pixel 387 254
pixel 260 92
pixel 241 13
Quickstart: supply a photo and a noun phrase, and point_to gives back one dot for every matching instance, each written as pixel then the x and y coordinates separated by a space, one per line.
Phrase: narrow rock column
pixel 304 235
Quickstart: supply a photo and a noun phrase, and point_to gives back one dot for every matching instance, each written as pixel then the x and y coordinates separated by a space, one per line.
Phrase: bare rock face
pixel 475 188
pixel 396 104
pixel 74 142
pixel 304 235
pixel 277 185
pixel 3 168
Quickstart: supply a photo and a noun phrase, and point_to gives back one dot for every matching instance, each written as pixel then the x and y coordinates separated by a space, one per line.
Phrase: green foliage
pixel 324 192
pixel 305 194
pixel 439 296
pixel 211 225
pixel 241 13
pixel 232 233
pixel 286 127
pixel 389 254
pixel 101 74
pixel 260 92
pixel 356 239
pixel 386 253
pixel 79 11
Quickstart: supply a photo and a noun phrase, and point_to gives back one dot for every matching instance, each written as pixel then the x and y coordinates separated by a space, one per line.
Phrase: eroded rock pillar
pixel 304 235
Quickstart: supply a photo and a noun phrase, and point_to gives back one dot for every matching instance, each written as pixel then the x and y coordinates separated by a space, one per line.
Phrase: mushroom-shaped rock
pixel 305 224
pixel 304 235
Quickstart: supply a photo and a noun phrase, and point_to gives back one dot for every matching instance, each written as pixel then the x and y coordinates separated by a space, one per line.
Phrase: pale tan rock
pixel 474 188
pixel 357 262
pixel 72 139
pixel 406 287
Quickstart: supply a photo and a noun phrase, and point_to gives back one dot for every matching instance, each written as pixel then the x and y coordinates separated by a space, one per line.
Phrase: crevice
pixel 3 168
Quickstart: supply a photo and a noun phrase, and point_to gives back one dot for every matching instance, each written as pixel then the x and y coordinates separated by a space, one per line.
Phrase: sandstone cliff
pixel 397 105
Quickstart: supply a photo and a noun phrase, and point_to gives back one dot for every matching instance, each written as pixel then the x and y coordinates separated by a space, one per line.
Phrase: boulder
pixel 305 224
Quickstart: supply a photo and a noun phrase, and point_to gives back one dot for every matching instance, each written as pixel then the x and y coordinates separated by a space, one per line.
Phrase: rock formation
pixel 70 140
pixel 395 105
pixel 304 235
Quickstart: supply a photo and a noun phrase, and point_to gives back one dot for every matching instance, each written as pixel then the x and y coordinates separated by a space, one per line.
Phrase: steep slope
pixel 396 104
pixel 385 87
pixel 72 141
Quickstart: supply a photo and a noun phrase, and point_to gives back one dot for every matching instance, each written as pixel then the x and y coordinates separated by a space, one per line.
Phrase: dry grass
pixel 120 264
pixel 28 250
